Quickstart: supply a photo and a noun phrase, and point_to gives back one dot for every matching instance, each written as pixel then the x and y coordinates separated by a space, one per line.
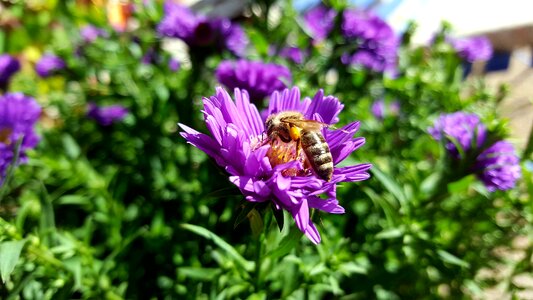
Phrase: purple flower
pixel 18 115
pixel 174 65
pixel 150 57
pixel 293 54
pixel 48 65
pixel 472 49
pixel 498 167
pixel 90 33
pixel 375 41
pixel 232 37
pixel 201 31
pixel 273 170
pixel 459 129
pixel 380 109
pixel 106 115
pixel 8 66
pixel 320 21
pixel 257 78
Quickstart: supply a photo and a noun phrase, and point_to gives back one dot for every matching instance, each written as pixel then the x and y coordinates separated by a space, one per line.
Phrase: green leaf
pixel 256 222
pixel 452 259
pixel 287 244
pixel 74 266
pixel 203 274
pixel 72 200
pixel 9 256
pixel 430 183
pixel 258 296
pixel 261 44
pixel 352 268
pixel 394 188
pixel 390 234
pixel 71 147
pixel 461 185
pixel 238 259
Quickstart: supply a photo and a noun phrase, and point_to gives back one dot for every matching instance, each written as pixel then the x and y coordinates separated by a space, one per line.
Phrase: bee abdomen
pixel 317 151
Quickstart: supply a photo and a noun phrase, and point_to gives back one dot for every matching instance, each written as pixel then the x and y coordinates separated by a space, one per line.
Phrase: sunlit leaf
pixel 241 261
pixel 9 256
pixel 452 259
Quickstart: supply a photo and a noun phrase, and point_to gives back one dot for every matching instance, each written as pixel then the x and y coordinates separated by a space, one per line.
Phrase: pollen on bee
pixel 4 135
pixel 295 133
pixel 281 152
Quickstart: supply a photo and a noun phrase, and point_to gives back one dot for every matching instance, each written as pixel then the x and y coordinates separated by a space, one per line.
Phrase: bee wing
pixel 307 124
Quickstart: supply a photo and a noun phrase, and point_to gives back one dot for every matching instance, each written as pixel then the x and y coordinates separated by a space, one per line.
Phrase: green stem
pixel 45 257
pixel 257 270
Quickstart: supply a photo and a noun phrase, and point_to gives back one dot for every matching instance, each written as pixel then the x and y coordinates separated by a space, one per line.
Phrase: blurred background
pixel 109 201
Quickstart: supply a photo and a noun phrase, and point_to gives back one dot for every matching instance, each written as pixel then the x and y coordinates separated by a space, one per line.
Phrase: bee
pixel 290 126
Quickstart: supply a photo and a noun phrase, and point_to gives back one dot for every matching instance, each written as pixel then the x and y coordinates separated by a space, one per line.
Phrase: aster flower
pixel 320 20
pixel 90 33
pixel 376 43
pixel 257 78
pixel 174 64
pixel 48 65
pixel 272 170
pixel 106 115
pixel 8 66
pixel 380 109
pixel 199 31
pixel 293 54
pixel 459 129
pixel 18 115
pixel 498 166
pixel 473 49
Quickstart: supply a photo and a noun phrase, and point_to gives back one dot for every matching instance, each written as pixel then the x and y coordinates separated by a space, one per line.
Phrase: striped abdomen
pixel 317 152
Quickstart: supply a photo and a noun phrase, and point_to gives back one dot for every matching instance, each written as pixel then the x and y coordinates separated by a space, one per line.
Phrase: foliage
pixel 131 211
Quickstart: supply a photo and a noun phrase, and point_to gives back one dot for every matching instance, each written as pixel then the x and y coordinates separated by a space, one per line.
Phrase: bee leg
pixel 298 147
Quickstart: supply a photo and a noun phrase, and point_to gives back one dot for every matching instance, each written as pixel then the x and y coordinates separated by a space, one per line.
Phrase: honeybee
pixel 290 126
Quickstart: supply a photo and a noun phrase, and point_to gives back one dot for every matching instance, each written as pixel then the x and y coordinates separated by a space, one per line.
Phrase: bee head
pixel 277 129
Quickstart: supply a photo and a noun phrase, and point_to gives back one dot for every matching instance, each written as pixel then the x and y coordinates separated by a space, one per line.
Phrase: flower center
pixel 4 135
pixel 204 34
pixel 281 152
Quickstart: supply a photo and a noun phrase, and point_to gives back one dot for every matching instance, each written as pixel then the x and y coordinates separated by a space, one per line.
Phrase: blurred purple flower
pixel 201 31
pixel 18 115
pixel 320 21
pixel 257 78
pixel 9 65
pixel 265 172
pixel 90 33
pixel 293 54
pixel 150 57
pixel 106 115
pixel 459 129
pixel 48 65
pixel 174 65
pixel 473 49
pixel 377 45
pixel 498 167
pixel 380 109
